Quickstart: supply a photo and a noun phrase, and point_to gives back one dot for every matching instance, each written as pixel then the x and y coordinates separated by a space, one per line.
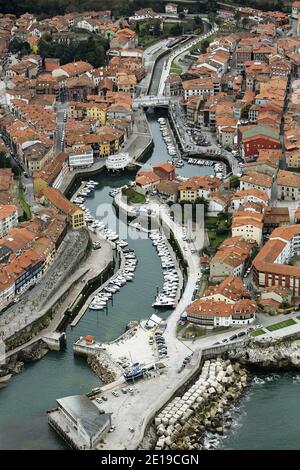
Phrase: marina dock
pixel 97 291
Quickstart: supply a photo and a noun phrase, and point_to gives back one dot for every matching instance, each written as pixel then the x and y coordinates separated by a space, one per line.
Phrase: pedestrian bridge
pixel 150 100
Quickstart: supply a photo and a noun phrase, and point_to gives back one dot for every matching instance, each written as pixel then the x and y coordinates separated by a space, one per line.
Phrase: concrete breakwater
pixel 182 424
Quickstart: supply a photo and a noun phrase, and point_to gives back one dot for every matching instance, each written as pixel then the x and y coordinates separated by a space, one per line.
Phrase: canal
pixel 24 402
pixel 268 417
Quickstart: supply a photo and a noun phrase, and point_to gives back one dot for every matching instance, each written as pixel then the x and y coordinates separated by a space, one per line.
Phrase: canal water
pixel 23 404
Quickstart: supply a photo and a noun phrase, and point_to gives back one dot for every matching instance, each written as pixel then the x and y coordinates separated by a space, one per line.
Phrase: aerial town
pixel 149 227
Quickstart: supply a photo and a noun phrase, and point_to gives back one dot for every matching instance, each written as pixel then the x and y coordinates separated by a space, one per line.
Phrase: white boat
pixel 96 306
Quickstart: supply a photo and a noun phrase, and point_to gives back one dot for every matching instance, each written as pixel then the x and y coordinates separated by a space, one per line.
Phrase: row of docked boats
pixel 167 136
pixel 101 300
pixel 195 161
pixel 166 297
pixel 87 188
pixel 97 225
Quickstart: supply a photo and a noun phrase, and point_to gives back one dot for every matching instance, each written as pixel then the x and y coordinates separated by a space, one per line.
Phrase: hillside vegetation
pixel 47 8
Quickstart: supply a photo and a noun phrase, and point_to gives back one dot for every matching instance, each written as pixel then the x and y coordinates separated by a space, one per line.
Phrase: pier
pixel 85 306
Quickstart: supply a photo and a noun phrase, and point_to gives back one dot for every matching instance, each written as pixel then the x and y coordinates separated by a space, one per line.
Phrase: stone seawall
pixel 104 367
pixel 16 363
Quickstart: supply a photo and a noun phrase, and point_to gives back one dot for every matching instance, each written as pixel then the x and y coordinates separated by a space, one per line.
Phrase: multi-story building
pixel 271 266
pixel 198 187
pixel 231 258
pixel 198 87
pixel 73 214
pixel 81 158
pixel 256 138
pixel 8 218
pixel 288 186
pixel 248 225
pixel 257 180
pixel 213 314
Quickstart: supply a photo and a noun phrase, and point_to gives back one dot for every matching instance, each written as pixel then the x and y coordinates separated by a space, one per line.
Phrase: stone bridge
pixel 150 101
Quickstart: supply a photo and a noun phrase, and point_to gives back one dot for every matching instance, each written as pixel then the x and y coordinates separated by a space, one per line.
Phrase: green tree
pixel 156 29
pixel 198 21
pixel 93 50
pixel 18 46
pixel 234 182
pixel 4 160
pixel 176 30
pixel 204 45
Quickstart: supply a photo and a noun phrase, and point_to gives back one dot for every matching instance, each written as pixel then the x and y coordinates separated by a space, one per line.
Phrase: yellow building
pixel 96 111
pixel 74 215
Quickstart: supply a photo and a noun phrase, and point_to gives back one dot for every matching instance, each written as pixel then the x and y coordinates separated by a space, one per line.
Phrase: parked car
pixel 241 333
pixel 233 337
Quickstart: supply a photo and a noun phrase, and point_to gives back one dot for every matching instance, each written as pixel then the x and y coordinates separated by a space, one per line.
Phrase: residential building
pixel 288 186
pixel 8 218
pixel 231 258
pixel 167 190
pixel 165 170
pixel 81 158
pixel 258 181
pixel 271 266
pixel 275 217
pixel 74 215
pixel 198 87
pixel 171 8
pixel 146 181
pixel 198 187
pixel 248 225
pixel 212 314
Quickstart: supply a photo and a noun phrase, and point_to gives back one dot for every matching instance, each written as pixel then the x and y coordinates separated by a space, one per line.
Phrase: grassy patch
pixel 193 331
pixel 23 203
pixel 133 197
pixel 282 324
pixel 198 45
pixel 257 333
pixel 216 240
pixel 176 69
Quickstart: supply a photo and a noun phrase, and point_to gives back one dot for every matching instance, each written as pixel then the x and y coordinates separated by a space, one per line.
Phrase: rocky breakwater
pixel 269 354
pixel 16 362
pixel 104 367
pixel 182 424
